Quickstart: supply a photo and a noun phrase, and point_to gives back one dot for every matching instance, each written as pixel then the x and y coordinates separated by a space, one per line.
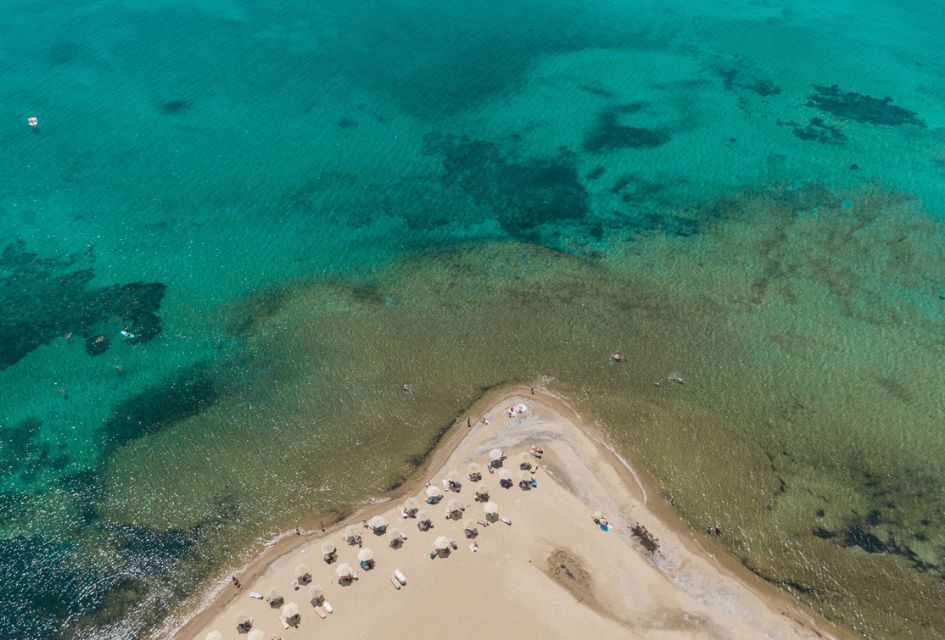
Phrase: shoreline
pixel 656 511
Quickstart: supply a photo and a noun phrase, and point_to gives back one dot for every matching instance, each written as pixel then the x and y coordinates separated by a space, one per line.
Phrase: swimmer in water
pixel 127 335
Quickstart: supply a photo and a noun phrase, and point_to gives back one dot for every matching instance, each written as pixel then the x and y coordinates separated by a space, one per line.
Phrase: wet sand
pixel 551 572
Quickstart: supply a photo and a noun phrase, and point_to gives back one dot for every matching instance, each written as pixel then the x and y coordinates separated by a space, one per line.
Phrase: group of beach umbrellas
pixel 378 525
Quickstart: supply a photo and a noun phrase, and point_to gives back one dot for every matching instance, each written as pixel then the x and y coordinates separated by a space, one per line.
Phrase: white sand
pixel 506 589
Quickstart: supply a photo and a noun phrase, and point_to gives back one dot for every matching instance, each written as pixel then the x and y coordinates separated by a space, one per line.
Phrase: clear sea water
pixel 297 208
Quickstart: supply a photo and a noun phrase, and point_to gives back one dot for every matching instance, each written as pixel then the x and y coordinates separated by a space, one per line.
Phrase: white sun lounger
pixel 399 577
pixel 395 582
pixel 327 607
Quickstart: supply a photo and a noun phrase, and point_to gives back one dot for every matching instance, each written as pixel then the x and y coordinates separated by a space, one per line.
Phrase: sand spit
pixel 541 568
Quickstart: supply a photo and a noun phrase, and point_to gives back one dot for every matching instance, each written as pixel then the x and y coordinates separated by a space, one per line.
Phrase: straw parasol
pixel 442 543
pixel 302 574
pixel 316 595
pixel 291 613
pixel 453 509
pixel 469 527
pixel 524 461
pixel 396 538
pixel 423 520
pixel 328 552
pixel 351 535
pixel 491 509
pixel 453 477
pixel 505 477
pixel 243 621
pixel 378 524
pixel 525 479
pixel 495 455
pixel 482 494
pixel 274 598
pixel 411 505
pixel 214 635
pixel 474 471
pixel 433 492
pixel 365 555
pixel 344 571
pixel 256 634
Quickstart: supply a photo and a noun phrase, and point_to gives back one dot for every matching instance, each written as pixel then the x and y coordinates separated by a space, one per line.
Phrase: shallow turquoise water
pixel 202 152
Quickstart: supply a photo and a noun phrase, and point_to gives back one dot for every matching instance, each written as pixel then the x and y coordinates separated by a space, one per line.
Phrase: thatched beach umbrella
pixel 214 635
pixel 274 598
pixel 302 574
pixel 244 622
pixel 291 614
pixel 351 535
pixel 524 479
pixel 378 524
pixel 482 495
pixel 365 555
pixel 423 520
pixel 328 551
pixel 454 480
pixel 442 543
pixel 411 506
pixel 495 455
pixel 474 471
pixel 344 571
pixel 470 529
pixel 505 478
pixel 454 509
pixel 491 510
pixel 433 494
pixel 316 595
pixel 256 634
pixel 396 538
pixel 524 461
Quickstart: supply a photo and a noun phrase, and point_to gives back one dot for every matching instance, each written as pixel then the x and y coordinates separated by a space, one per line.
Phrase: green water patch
pixel 805 433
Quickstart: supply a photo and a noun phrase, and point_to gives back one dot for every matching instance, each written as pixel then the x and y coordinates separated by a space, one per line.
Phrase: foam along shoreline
pixel 549 571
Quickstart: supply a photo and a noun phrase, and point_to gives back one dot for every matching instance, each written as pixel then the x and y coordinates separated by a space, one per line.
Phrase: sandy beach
pixel 543 568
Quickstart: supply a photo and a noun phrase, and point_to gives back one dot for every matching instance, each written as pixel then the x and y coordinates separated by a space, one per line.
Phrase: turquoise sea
pixel 296 208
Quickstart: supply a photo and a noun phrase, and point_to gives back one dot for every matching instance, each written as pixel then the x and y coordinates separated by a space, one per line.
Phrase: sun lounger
pixel 256 596
pixel 400 577
pixel 506 521
pixel 483 523
pixel 394 582
pixel 321 613
pixel 285 625
pixel 327 607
